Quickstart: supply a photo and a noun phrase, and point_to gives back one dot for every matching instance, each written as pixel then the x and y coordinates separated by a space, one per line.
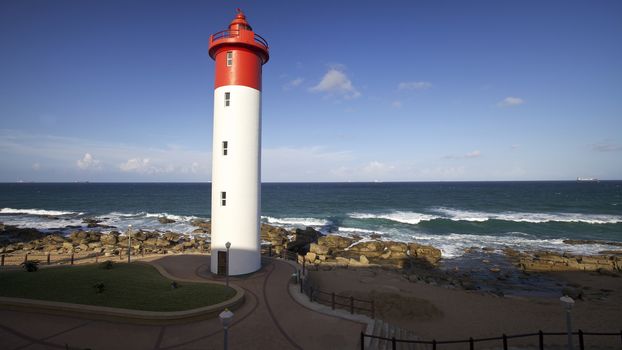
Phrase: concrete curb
pixel 127 315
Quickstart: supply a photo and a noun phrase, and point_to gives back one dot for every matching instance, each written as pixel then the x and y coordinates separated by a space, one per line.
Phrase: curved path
pixel 269 319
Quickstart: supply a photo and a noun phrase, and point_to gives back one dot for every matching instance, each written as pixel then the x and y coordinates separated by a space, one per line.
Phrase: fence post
pixel 25 258
pixel 471 343
pixel 72 258
pixel 505 342
pixel 620 331
pixel 362 341
pixel 48 258
pixel 142 250
pixel 303 264
pixel 393 345
pixel 351 305
pixel 541 339
pixel 433 344
pixel 270 250
pixel 96 258
pixel 581 345
pixel 2 264
pixel 332 300
pixel 373 310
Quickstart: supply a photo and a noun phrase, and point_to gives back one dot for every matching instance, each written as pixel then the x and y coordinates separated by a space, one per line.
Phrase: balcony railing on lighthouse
pixel 243 35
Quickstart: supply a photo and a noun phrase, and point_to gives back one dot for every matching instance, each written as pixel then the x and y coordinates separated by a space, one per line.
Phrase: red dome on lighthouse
pixel 239 34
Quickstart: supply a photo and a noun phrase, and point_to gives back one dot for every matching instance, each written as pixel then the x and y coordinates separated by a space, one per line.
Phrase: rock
pixel 574 293
pixel 591 241
pixel 333 241
pixel 109 239
pixel 67 246
pixel 319 249
pixel 310 257
pixel 301 239
pixel 160 242
pixel 204 224
pixel 363 259
pixel 171 236
pixel 369 246
pixel 165 220
pixel 425 252
pixel 397 247
pixel 495 269
pixel 375 236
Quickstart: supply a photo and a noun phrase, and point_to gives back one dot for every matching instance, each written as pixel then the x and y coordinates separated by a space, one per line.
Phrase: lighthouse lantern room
pixel 239 54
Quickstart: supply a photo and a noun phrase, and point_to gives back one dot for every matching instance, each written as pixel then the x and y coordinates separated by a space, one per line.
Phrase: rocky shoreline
pixel 314 248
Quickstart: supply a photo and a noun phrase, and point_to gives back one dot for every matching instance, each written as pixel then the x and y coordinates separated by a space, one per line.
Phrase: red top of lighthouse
pixel 240 34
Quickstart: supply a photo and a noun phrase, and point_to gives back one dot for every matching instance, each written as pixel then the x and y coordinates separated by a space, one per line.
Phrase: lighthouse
pixel 239 54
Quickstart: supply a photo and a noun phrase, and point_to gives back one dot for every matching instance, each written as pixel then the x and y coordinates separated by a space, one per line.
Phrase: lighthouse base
pixel 239 261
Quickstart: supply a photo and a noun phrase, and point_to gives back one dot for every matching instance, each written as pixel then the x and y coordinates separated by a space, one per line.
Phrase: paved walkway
pixel 269 319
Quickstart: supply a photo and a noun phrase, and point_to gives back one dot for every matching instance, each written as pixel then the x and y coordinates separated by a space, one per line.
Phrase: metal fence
pixel 503 339
pixel 332 299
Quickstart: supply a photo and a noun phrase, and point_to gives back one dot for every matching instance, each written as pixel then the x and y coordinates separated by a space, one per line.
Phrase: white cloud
pixel 396 104
pixel 377 168
pixel 511 101
pixel 414 85
pixel 293 83
pixel 472 154
pixel 88 162
pixel 36 166
pixel 142 166
pixel 606 147
pixel 335 81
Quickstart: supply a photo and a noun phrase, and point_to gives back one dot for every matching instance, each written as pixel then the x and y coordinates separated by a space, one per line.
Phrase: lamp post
pixel 225 320
pixel 227 245
pixel 129 242
pixel 568 303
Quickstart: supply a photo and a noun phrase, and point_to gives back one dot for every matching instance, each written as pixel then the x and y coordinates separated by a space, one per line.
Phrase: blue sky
pixel 354 90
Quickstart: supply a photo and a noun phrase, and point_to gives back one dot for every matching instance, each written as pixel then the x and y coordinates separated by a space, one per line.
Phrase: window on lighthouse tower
pixel 229 58
pixel 225 147
pixel 227 99
pixel 223 199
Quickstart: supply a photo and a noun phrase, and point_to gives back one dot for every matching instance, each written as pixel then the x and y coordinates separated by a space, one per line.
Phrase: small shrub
pixel 99 287
pixel 107 265
pixel 31 266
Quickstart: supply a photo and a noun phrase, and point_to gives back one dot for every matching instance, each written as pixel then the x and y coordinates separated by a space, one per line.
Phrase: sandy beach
pixel 443 313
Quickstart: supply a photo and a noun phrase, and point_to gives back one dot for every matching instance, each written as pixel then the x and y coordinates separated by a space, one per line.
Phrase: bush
pixel 99 287
pixel 31 266
pixel 107 265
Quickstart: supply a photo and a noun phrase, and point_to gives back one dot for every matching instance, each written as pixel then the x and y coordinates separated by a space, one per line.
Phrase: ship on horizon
pixel 587 179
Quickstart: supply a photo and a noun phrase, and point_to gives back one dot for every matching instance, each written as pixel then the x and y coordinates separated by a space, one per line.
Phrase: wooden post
pixel 96 258
pixel 270 250
pixel 142 250
pixel 303 264
pixel 48 258
pixel 72 258
pixel 433 344
pixel 393 344
pixel 2 260
pixel 541 339
pixel 362 341
pixel 505 342
pixel 581 344
pixel 332 300
pixel 471 344
pixel 25 258
pixel 351 305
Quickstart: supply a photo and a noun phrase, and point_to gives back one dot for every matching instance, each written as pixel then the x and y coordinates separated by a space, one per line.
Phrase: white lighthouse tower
pixel 239 54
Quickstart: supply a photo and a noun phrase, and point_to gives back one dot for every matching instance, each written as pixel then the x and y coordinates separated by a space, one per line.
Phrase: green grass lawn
pixel 128 286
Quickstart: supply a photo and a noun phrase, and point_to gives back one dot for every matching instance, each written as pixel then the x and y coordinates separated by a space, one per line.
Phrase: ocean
pixel 451 216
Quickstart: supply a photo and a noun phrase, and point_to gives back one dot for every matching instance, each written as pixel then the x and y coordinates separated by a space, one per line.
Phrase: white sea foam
pixel 296 221
pixel 405 217
pixel 467 215
pixel 171 216
pixel 41 212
